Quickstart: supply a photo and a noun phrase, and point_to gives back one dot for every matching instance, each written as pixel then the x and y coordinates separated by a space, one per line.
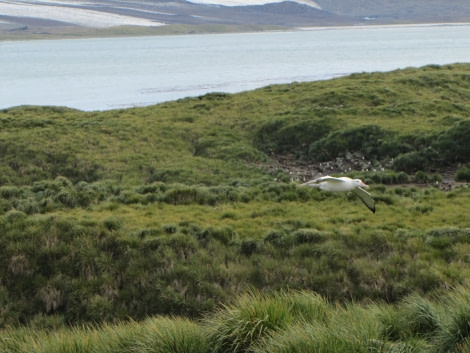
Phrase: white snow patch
pixel 52 10
pixel 252 2
pixel 147 11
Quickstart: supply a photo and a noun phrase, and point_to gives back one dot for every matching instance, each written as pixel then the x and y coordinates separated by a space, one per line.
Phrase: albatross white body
pixel 343 184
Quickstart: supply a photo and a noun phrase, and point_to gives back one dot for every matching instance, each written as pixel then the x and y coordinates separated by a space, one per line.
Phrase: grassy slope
pixel 213 136
pixel 134 241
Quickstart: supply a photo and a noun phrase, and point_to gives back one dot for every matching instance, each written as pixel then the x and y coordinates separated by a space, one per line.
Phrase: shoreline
pixel 392 25
pixel 79 32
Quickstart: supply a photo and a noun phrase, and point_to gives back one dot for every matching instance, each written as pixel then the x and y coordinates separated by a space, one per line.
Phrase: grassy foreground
pixel 285 322
pixel 146 227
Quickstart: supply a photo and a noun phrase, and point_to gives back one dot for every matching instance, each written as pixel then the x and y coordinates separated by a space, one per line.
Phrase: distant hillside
pixel 400 11
pixel 47 18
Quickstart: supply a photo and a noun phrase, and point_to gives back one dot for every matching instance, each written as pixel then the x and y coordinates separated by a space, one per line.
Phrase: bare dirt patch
pixel 303 171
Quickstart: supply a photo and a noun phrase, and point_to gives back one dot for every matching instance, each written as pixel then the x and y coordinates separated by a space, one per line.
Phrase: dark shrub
pixel 423 159
pixel 423 178
pixel 15 215
pixel 282 136
pixel 393 148
pixel 249 247
pixel 8 192
pixel 186 195
pixel 113 223
pixel 225 193
pixel 152 188
pixel 170 228
pixel 402 178
pixel 275 237
pixel 409 162
pixel 366 139
pixel 67 197
pixel 306 235
pixel 463 174
pixel 28 206
pixel 454 144
pixel 223 234
pixel 148 233
pixel 129 197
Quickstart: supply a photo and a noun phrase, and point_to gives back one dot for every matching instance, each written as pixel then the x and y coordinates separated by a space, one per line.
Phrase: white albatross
pixel 343 184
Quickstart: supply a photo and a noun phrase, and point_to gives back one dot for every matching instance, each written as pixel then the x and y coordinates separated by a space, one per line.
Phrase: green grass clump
pixel 414 317
pixel 455 327
pixel 348 329
pixel 175 335
pixel 254 317
pixel 463 174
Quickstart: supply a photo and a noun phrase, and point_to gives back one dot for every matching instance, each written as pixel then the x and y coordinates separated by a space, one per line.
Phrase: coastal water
pixel 110 73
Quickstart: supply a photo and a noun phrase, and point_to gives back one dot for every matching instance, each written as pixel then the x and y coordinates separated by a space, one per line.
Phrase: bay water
pixel 110 73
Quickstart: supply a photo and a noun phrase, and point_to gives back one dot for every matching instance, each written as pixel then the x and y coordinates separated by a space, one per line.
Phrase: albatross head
pixel 360 183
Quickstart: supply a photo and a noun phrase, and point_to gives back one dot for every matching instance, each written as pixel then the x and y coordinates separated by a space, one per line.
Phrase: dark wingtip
pixel 370 208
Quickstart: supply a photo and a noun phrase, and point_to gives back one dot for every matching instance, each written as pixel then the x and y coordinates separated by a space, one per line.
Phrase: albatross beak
pixel 364 185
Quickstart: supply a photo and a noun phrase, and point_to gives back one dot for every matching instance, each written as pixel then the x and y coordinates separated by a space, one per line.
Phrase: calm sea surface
pixel 102 74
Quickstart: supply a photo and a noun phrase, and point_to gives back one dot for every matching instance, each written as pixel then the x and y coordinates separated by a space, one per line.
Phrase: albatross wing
pixel 329 179
pixel 366 198
pixel 325 180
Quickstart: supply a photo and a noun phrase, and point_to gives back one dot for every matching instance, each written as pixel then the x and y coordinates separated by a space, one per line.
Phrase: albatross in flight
pixel 343 184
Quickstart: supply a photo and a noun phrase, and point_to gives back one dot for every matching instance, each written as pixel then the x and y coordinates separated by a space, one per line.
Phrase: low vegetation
pixel 176 226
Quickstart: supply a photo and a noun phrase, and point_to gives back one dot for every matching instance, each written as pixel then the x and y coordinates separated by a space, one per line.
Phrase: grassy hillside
pixel 177 208
pixel 413 114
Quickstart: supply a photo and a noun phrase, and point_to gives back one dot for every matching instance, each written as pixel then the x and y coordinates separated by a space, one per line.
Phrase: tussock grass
pixel 455 327
pixel 159 334
pixel 176 335
pixel 254 316
pixel 280 322
pixel 414 317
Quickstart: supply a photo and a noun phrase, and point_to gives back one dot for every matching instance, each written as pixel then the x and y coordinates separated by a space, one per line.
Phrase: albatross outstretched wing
pixel 325 179
pixel 365 197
